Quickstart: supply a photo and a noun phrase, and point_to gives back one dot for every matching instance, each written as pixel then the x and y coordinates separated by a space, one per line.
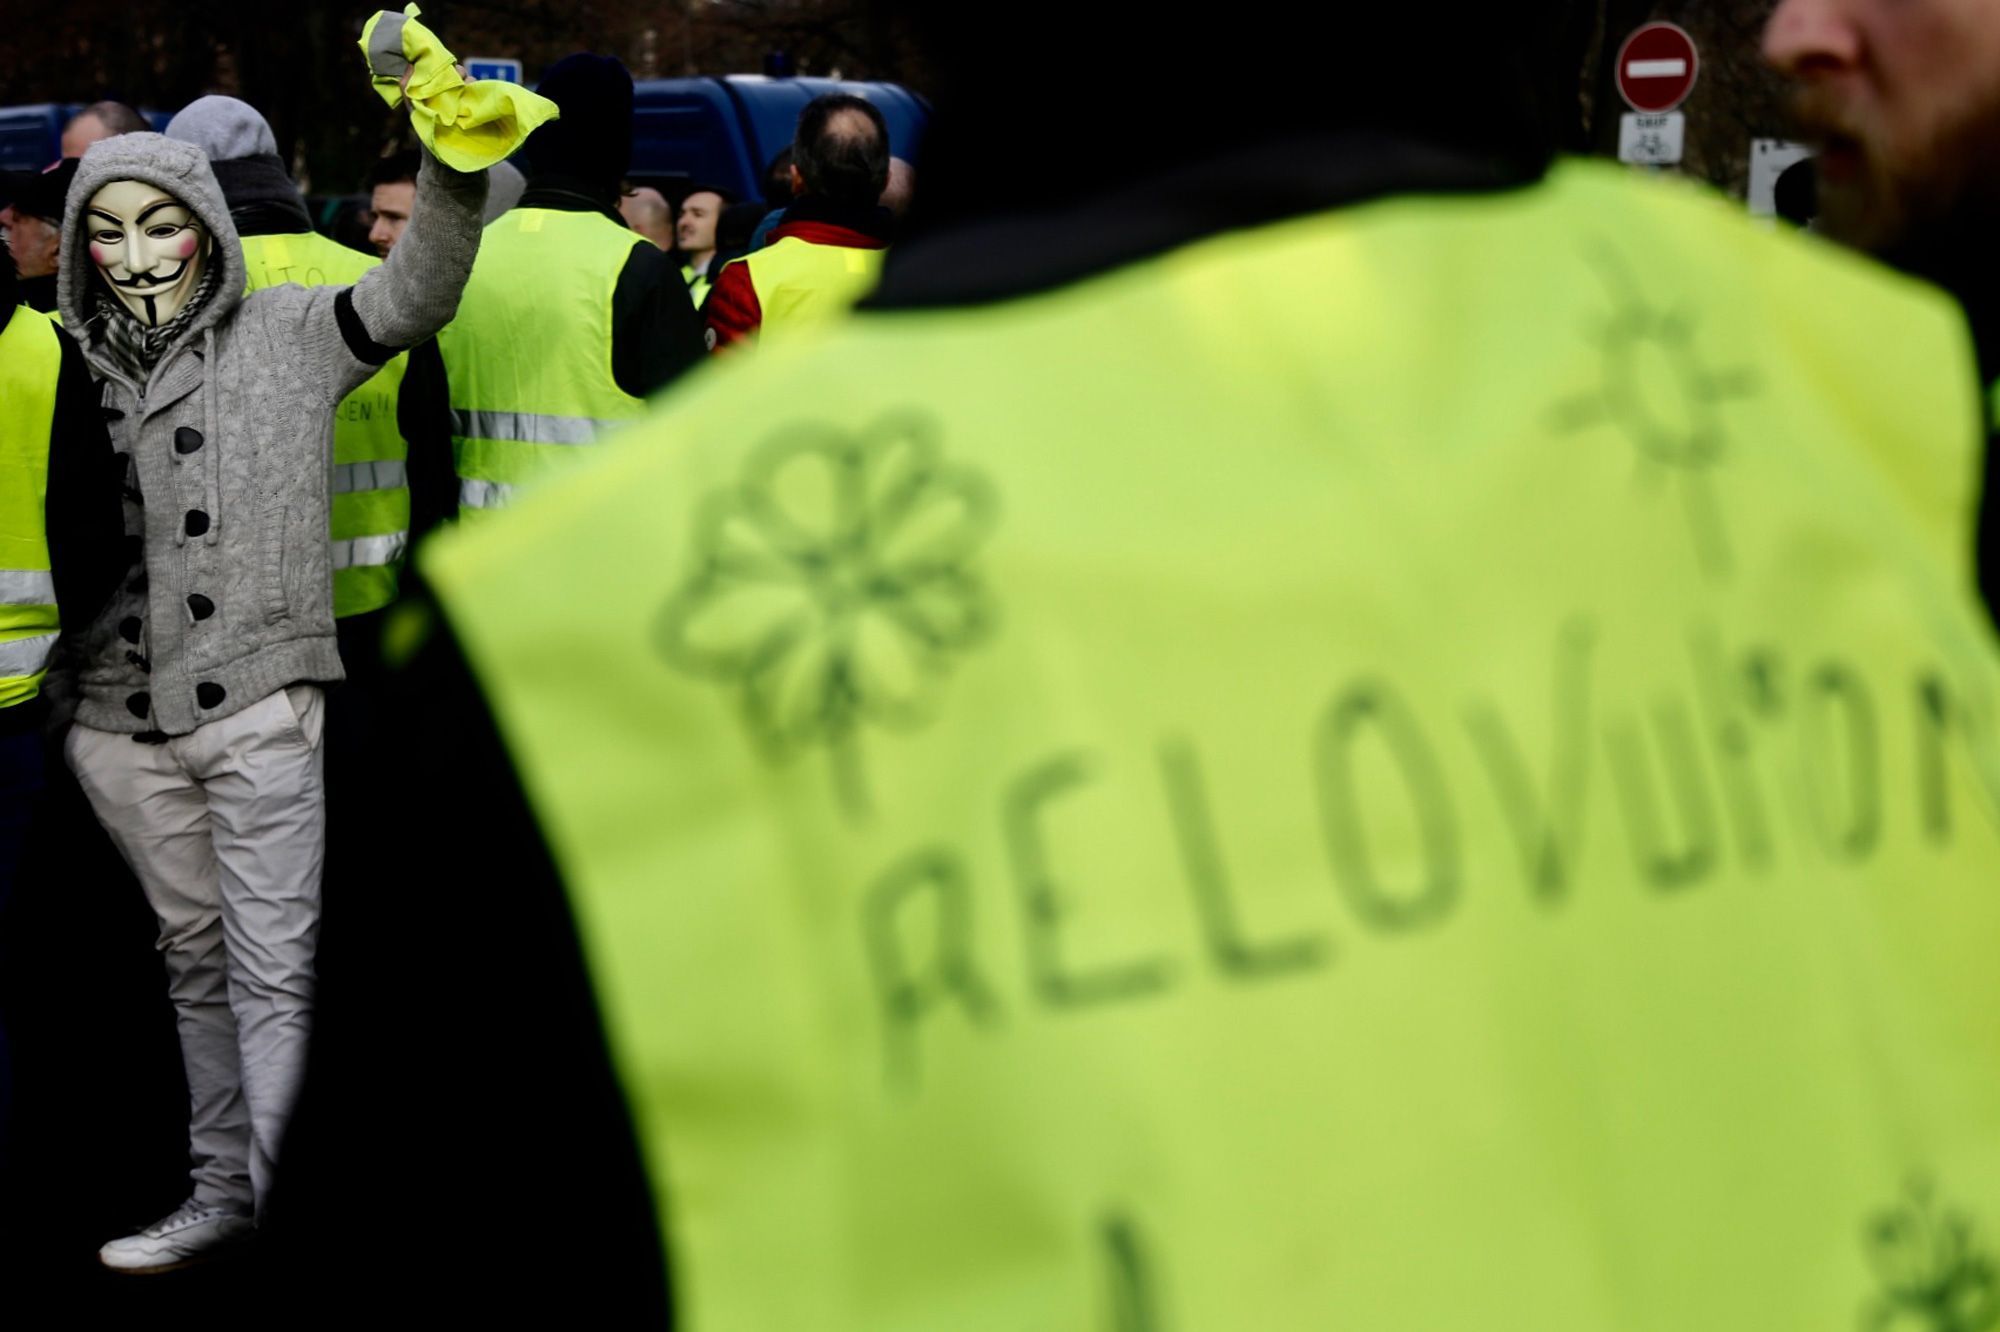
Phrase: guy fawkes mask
pixel 149 246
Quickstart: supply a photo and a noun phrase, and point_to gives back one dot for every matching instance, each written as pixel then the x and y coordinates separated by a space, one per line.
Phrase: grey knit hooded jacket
pixel 230 448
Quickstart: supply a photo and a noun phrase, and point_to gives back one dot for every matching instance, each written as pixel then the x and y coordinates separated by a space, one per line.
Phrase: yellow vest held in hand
pixel 469 126
pixel 529 355
pixel 1425 766
pixel 30 361
pixel 371 492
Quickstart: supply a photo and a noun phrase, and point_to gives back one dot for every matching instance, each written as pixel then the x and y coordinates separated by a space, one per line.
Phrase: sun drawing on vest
pixel 1657 391
pixel 833 585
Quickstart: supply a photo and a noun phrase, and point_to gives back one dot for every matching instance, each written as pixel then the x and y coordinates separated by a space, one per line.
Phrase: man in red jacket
pixel 827 253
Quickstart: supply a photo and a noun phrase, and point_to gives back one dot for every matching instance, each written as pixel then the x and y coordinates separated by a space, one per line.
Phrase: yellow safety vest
pixel 529 355
pixel 30 364
pixel 801 285
pixel 371 491
pixel 1430 765
pixel 698 284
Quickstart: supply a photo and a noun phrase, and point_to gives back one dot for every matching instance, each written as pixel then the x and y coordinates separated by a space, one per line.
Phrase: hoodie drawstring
pixel 212 455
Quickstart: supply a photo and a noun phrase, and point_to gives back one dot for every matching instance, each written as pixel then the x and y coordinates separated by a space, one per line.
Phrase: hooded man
pixel 390 429
pixel 570 319
pixel 197 735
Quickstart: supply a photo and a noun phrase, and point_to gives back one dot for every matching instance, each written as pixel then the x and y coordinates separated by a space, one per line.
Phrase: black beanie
pixel 593 137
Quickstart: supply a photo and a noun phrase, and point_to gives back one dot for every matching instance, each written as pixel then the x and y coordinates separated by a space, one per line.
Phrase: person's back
pixel 1311 778
pixel 827 252
pixel 524 386
pixel 570 319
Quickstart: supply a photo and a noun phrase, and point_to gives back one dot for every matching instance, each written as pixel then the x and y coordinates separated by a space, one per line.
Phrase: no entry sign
pixel 1656 67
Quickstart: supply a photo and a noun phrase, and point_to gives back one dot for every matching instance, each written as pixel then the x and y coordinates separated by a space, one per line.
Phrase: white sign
pixel 1651 138
pixel 492 67
pixel 1768 160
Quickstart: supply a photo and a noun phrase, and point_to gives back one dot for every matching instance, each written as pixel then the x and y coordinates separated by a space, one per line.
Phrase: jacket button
pixel 139 704
pixel 187 439
pixel 196 523
pixel 210 694
pixel 200 605
pixel 129 627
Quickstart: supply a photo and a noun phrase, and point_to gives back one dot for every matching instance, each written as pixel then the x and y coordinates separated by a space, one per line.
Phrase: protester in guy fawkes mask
pixel 198 731
pixel 152 252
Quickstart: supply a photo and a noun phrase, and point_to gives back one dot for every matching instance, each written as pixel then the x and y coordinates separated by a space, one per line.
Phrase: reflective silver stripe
pixel 385 46
pixel 484 494
pixel 27 587
pixel 26 656
pixel 370 550
pixel 388 474
pixel 528 427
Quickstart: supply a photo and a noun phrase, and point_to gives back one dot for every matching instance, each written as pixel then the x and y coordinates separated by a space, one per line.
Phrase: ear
pixel 798 181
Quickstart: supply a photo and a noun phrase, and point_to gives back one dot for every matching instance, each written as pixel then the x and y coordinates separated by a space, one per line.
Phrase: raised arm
pixel 464 128
pixel 414 292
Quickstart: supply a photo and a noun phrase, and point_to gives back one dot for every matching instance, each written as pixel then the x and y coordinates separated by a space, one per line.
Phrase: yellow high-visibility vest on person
pixel 371 492
pixel 698 284
pixel 801 284
pixel 529 355
pixel 30 357
pixel 1313 780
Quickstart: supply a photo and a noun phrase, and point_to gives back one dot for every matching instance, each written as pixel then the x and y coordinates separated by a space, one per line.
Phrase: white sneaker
pixel 194 1233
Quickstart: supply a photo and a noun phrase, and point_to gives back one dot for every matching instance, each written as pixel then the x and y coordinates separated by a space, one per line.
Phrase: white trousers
pixel 226 830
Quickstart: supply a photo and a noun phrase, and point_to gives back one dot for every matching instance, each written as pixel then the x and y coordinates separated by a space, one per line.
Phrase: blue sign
pixel 493 67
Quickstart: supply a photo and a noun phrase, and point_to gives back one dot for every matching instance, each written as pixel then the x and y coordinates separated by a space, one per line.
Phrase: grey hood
pixel 182 170
pixel 225 128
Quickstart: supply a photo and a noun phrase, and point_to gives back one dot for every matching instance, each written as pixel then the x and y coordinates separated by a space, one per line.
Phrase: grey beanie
pixel 224 129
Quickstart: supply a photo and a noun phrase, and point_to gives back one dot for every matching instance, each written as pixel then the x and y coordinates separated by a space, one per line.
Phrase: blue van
pixel 721 132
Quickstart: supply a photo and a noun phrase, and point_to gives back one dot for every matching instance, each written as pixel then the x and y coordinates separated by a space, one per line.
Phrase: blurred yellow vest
pixel 1425 766
pixel 30 363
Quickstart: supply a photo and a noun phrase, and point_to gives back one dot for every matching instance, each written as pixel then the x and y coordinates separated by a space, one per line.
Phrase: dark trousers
pixel 21 783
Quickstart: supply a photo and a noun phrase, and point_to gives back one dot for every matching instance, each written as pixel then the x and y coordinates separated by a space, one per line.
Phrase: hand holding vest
pixel 466 126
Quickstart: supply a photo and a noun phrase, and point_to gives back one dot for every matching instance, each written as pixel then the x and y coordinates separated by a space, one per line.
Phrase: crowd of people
pixel 1336 720
pixel 201 317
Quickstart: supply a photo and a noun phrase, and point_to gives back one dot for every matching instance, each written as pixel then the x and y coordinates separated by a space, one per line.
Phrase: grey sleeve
pixel 414 292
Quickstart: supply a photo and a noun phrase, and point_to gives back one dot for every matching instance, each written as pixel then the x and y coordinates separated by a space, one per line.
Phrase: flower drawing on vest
pixel 1655 388
pixel 1936 1275
pixel 833 585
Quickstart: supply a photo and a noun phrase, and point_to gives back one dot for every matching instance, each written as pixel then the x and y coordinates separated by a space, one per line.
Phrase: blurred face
pixel 148 246
pixel 81 133
pixel 391 205
pixel 645 210
pixel 32 241
pixel 1903 99
pixel 696 229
